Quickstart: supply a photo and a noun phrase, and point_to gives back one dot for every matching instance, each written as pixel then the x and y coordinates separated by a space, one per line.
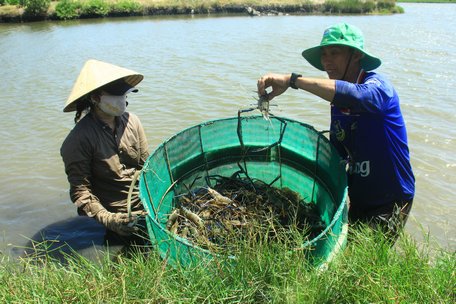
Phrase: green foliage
pixel 335 6
pixel 370 5
pixel 127 6
pixel 95 8
pixel 71 9
pixel 349 6
pixel 68 9
pixel 398 10
pixel 389 7
pixel 36 8
pixel 361 6
pixel 386 4
pixel 9 2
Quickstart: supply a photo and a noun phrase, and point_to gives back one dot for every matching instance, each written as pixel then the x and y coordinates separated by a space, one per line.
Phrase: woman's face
pixel 114 105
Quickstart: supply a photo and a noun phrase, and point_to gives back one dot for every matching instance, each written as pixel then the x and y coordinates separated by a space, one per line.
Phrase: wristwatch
pixel 293 79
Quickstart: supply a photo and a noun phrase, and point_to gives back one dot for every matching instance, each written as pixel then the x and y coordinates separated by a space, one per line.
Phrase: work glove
pixel 120 223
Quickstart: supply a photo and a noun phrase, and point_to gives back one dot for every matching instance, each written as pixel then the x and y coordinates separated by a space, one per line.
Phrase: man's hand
pixel 278 82
pixel 117 222
pixel 324 88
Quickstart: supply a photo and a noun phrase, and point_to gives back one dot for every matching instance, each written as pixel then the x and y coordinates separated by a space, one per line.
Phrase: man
pixel 105 149
pixel 367 126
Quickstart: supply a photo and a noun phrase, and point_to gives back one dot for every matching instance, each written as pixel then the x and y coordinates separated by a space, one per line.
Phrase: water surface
pixel 205 67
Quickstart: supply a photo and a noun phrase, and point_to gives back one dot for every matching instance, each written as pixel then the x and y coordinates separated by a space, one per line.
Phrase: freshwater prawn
pixel 263 106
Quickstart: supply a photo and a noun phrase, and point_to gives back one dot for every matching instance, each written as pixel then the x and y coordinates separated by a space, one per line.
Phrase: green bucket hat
pixel 342 34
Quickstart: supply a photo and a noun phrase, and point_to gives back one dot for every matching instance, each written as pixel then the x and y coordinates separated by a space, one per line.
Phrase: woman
pixel 105 148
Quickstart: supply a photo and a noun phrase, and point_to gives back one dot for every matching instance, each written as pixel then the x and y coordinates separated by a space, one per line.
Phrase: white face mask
pixel 113 105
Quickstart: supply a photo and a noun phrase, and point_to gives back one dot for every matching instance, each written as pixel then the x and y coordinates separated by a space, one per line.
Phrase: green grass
pixel 368 271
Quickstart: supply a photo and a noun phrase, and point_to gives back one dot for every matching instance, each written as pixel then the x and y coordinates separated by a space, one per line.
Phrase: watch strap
pixel 293 79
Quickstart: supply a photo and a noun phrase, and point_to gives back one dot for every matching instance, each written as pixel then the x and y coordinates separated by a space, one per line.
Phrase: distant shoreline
pixel 45 10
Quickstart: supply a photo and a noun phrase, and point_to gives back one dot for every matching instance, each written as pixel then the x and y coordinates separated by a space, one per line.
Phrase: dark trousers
pixel 390 218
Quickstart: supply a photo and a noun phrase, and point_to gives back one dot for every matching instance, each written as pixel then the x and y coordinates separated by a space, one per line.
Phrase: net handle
pixel 130 191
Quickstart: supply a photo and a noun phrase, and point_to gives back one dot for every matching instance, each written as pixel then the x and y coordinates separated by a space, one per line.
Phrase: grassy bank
pixel 31 10
pixel 368 271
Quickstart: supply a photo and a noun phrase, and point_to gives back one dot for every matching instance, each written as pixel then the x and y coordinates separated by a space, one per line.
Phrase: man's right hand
pixel 117 222
pixel 324 88
pixel 278 82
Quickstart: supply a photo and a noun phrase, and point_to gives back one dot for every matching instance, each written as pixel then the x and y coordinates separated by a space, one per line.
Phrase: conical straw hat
pixel 96 74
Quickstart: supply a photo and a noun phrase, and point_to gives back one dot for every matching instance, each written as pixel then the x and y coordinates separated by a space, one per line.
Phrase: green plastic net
pixel 280 151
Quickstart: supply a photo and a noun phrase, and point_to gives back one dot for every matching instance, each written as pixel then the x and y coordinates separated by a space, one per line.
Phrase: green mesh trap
pixel 281 152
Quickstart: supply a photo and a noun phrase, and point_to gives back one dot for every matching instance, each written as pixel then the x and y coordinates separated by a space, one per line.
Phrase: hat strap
pixel 348 63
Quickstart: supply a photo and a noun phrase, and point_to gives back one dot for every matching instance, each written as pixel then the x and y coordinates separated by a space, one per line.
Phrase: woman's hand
pixel 120 223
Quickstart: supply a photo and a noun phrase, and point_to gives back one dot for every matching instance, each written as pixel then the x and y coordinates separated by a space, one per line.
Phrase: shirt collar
pixel 361 75
pixel 102 123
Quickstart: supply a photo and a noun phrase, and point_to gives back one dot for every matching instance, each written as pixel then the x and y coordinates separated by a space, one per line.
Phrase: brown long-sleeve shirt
pixel 100 163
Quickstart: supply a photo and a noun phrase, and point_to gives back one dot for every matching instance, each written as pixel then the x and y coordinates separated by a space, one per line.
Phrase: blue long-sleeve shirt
pixel 368 129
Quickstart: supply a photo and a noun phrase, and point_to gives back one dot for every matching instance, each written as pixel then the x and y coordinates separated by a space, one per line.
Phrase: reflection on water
pixel 203 68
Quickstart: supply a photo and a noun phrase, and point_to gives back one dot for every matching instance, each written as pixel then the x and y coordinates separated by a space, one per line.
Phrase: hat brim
pixel 118 87
pixel 313 56
pixel 96 74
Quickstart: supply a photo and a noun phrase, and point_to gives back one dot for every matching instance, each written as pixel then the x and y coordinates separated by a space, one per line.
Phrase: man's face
pixel 335 59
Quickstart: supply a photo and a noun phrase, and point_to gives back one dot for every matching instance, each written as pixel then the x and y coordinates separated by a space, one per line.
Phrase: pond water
pixel 206 67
